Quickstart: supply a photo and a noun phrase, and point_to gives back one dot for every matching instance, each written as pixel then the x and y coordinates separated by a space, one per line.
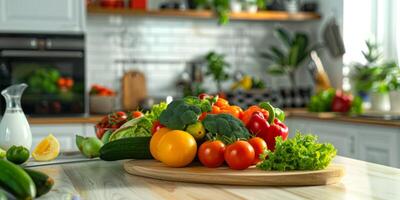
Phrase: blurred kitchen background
pixel 332 65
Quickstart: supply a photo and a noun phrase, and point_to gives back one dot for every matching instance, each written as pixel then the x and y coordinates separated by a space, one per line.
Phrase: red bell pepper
pixel 260 127
pixel 156 126
pixel 341 102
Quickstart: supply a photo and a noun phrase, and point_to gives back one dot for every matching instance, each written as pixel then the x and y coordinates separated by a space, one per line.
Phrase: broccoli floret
pixel 225 127
pixel 179 114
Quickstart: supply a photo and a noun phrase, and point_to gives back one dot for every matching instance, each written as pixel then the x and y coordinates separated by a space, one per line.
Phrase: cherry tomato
pixel 239 155
pixel 259 145
pixel 100 131
pixel 137 114
pixel 204 96
pixel 156 126
pixel 211 153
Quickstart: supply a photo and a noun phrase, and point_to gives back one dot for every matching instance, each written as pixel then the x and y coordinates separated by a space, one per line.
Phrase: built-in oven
pixel 53 66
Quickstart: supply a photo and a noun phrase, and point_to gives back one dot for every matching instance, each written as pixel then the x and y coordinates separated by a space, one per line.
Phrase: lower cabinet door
pixel 379 146
pixel 341 136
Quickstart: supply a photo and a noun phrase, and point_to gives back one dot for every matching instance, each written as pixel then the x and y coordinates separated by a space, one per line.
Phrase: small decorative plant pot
pixel 380 101
pixel 236 6
pixel 292 6
pixel 102 104
pixel 394 101
pixel 251 8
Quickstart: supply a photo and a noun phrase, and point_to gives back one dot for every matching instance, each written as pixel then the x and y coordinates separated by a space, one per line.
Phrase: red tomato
pixel 259 145
pixel 204 96
pixel 137 114
pixel 116 119
pixel 156 126
pixel 202 116
pixel 239 155
pixel 100 131
pixel 211 153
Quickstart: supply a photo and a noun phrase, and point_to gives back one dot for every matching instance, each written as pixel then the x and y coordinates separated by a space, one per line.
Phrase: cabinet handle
pixel 352 144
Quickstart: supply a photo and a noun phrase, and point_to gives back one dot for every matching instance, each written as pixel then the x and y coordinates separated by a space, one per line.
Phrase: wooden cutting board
pixel 133 89
pixel 196 173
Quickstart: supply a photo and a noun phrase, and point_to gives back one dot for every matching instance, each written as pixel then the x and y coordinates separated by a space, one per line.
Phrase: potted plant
pixel 216 67
pixel 288 60
pixel 379 96
pixel 372 78
pixel 394 90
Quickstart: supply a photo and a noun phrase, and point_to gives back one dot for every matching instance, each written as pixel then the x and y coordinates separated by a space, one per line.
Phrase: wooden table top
pixel 107 180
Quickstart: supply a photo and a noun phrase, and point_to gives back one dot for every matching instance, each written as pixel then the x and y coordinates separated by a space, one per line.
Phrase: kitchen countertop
pixel 299 113
pixel 107 180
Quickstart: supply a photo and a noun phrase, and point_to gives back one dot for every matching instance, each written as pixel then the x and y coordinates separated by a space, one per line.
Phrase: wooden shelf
pixel 207 14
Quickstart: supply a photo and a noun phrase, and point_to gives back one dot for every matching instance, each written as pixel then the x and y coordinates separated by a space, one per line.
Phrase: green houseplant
pixel 373 77
pixel 217 68
pixel 286 61
pixel 394 89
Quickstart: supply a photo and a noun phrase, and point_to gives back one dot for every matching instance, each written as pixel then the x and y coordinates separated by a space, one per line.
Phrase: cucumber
pixel 126 148
pixel 42 181
pixel 16 181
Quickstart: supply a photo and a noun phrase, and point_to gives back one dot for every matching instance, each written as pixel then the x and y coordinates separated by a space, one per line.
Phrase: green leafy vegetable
pixel 155 111
pixel 179 114
pixel 322 101
pixel 226 127
pixel 138 127
pixel 146 122
pixel 2 153
pixel 302 152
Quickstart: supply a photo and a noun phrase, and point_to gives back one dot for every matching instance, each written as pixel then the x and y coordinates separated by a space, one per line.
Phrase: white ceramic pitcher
pixel 14 127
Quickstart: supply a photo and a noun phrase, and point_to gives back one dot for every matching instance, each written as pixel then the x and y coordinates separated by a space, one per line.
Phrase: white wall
pixel 333 66
pixel 111 37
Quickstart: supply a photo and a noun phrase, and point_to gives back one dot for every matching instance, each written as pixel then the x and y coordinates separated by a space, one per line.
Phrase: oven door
pixel 55 78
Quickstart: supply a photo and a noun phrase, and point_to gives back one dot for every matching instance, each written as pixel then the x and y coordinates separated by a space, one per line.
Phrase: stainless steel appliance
pixel 53 66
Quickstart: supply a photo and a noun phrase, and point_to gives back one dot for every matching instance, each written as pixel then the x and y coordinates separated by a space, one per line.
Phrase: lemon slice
pixel 48 149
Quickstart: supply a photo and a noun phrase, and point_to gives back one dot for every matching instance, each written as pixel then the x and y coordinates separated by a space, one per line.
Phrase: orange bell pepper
pixel 221 103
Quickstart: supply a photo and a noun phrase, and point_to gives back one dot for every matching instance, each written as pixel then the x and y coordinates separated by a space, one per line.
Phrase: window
pixel 371 19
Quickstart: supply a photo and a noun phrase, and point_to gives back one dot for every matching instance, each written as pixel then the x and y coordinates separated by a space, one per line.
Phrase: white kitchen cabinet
pixel 340 136
pixel 377 144
pixel 65 133
pixel 60 16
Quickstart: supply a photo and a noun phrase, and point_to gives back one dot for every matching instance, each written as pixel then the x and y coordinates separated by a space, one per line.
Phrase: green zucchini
pixel 16 181
pixel 126 148
pixel 42 181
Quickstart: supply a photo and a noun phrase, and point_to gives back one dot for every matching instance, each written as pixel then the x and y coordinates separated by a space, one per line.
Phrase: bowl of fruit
pixel 102 100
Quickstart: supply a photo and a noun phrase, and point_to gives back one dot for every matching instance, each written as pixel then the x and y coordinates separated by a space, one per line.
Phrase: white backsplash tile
pixel 112 37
